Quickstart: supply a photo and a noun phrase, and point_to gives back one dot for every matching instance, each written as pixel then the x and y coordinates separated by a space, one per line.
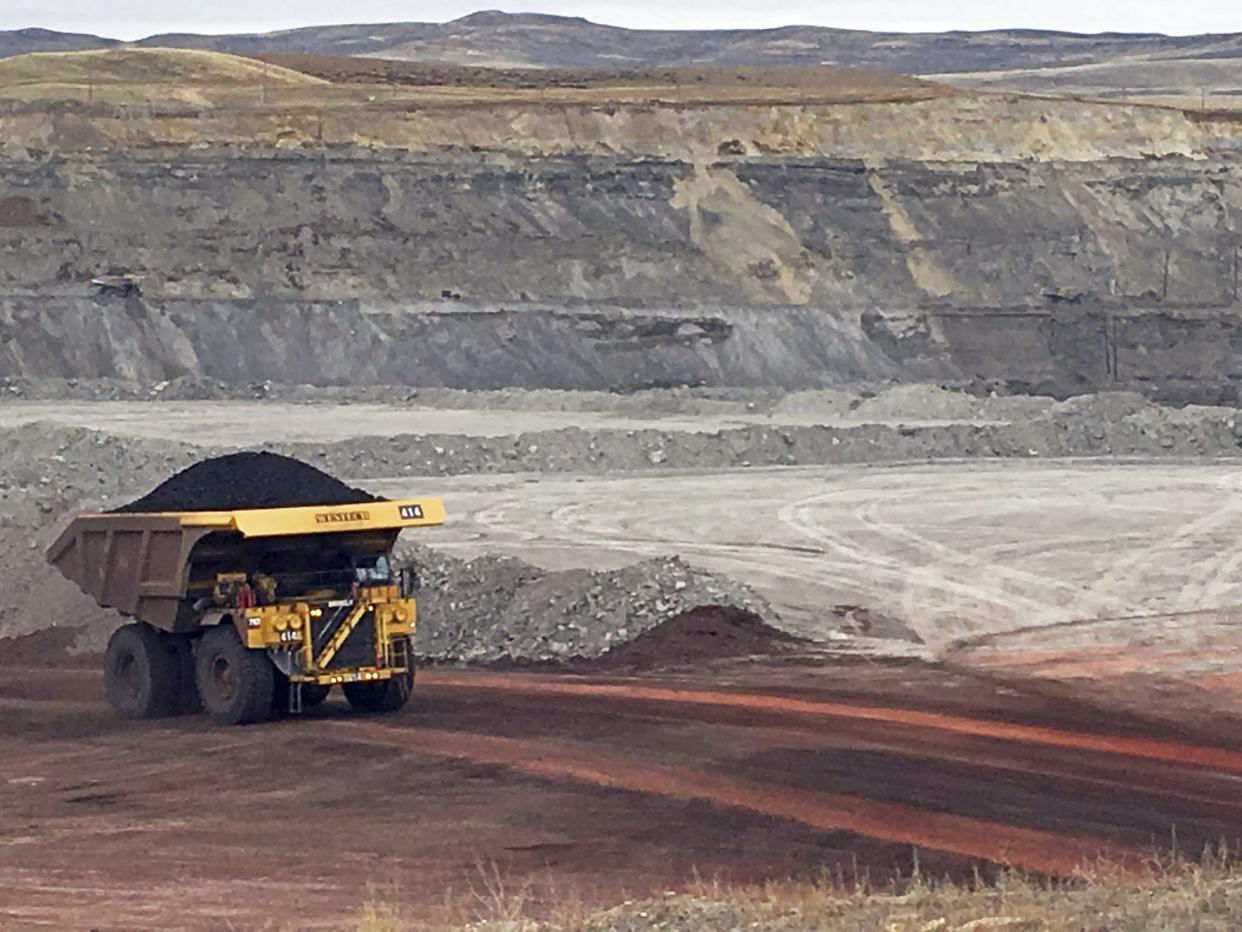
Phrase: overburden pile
pixel 501 610
pixel 247 480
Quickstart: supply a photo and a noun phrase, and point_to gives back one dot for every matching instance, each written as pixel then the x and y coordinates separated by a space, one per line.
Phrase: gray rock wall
pixel 1179 356
pixel 577 272
pixel 824 232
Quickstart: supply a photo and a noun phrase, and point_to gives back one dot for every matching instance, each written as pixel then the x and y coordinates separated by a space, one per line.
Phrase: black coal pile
pixel 247 480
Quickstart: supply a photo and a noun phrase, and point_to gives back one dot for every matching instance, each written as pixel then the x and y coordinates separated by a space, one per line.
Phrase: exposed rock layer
pixel 579 272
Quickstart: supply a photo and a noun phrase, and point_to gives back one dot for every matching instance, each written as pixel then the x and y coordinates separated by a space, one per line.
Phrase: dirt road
pixel 606 784
pixel 232 423
pixel 951 550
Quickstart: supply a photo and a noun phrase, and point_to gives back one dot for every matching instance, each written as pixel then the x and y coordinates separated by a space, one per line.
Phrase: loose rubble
pixel 501 609
pixel 44 462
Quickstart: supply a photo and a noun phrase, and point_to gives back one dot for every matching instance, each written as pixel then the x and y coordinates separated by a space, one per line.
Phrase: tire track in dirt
pixel 1209 579
pixel 1030 849
pixel 1214 794
pixel 1125 571
pixel 1210 758
pixel 1039 587
pixel 807 565
pixel 846 547
pixel 800 517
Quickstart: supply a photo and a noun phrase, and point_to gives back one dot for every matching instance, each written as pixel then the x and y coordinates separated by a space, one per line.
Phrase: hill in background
pixel 1178 70
pixel 124 74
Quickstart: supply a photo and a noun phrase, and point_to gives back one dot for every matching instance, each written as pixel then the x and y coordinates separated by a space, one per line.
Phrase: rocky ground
pixel 503 609
pixel 906 423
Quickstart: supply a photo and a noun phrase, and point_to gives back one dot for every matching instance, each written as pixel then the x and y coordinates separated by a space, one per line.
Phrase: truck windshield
pixel 373 570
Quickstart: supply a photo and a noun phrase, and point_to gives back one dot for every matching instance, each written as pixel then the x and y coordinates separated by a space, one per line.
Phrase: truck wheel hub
pixel 223 677
pixel 128 676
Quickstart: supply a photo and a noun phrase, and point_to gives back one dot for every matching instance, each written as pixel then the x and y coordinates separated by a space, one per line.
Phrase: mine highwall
pixel 1173 355
pixel 486 269
pixel 817 232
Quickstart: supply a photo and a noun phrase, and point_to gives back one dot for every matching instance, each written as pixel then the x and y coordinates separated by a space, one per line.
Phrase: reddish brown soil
pixel 709 632
pixel 36 648
pixel 351 70
pixel 606 786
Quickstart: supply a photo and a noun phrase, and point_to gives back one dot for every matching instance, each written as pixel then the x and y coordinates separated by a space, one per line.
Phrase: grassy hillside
pixel 128 74
pixel 823 81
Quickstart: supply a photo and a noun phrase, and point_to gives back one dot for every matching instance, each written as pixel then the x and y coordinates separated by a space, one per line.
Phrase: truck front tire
pixel 385 696
pixel 142 673
pixel 235 684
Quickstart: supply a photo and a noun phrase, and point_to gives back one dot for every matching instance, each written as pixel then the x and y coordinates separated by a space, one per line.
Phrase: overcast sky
pixel 133 19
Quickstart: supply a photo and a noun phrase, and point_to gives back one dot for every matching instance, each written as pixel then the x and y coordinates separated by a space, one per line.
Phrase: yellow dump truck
pixel 250 613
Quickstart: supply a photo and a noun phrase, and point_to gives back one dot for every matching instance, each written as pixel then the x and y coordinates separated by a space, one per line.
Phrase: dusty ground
pixel 603 787
pixel 258 422
pixel 950 549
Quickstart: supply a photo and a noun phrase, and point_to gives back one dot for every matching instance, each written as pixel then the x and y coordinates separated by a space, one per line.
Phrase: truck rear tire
pixel 385 696
pixel 141 673
pixel 235 683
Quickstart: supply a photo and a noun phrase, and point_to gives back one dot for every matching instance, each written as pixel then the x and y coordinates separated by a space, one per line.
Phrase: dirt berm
pixel 503 610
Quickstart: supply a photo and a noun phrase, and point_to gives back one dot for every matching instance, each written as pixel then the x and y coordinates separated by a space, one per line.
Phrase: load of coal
pixel 249 480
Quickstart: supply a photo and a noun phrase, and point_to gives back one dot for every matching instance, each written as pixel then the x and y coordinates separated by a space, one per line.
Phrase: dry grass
pixel 128 75
pixel 1178 896
pixel 822 78
pixel 208 79
pixel 145 66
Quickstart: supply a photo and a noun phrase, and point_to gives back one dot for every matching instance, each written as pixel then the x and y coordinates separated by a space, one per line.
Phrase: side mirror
pixel 409 581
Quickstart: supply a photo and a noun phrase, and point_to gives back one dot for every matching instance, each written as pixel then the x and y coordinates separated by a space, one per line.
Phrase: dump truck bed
pixel 141 563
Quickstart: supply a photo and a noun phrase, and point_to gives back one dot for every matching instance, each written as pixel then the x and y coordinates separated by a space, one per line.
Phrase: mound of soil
pixel 41 648
pixel 247 480
pixel 709 632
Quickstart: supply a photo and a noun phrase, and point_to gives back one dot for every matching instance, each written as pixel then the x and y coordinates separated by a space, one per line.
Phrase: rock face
pixel 829 233
pixel 477 271
pixel 1174 354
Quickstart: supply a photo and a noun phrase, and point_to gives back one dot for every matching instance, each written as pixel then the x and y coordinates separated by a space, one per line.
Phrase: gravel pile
pixel 500 609
pixel 1072 428
pixel 47 467
pixel 247 480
